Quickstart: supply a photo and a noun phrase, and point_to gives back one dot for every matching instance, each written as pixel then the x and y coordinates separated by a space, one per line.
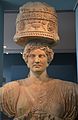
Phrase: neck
pixel 38 76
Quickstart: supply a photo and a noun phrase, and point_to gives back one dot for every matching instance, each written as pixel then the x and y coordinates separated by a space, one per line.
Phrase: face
pixel 37 61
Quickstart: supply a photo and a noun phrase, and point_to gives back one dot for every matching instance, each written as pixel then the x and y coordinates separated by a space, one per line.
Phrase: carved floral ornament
pixel 36 19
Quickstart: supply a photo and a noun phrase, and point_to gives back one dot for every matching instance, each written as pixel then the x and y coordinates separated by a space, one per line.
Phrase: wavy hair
pixel 30 47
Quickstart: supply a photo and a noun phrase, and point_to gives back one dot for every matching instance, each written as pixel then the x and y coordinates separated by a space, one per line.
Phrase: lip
pixel 37 66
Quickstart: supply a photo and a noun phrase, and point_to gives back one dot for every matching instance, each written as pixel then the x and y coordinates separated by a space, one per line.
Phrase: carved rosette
pixel 36 19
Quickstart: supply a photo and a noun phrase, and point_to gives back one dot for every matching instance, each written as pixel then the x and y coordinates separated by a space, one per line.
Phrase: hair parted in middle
pixel 33 46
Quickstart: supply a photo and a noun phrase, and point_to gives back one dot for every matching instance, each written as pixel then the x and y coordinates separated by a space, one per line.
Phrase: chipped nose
pixel 37 59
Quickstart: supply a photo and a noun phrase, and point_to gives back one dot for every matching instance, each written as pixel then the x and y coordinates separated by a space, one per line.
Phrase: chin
pixel 38 71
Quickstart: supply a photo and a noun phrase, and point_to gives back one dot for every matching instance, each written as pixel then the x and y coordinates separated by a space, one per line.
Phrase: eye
pixel 32 55
pixel 41 56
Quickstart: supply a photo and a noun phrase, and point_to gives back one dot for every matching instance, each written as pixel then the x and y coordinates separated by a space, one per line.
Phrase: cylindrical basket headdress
pixel 36 20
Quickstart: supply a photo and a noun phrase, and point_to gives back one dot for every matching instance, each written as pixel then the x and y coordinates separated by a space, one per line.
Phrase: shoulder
pixel 11 91
pixel 66 88
pixel 11 86
pixel 24 82
pixel 64 84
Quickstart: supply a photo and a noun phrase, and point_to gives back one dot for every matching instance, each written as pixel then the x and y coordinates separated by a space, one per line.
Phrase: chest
pixel 40 101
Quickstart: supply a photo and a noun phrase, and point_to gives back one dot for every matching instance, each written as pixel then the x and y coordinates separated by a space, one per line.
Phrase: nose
pixel 37 59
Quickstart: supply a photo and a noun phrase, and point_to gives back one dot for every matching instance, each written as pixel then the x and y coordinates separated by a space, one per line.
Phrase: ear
pixel 27 65
pixel 47 64
pixel 52 55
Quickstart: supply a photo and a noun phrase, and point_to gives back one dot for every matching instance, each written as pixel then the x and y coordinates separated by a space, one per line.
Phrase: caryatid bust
pixel 38 97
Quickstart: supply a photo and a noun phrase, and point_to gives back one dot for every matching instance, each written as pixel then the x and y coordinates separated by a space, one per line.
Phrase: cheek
pixel 29 63
pixel 45 63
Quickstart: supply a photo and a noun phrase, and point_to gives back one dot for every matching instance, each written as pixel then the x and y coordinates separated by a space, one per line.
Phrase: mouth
pixel 37 66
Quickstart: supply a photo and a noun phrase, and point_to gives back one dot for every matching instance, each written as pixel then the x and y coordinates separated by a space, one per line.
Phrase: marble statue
pixel 38 97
